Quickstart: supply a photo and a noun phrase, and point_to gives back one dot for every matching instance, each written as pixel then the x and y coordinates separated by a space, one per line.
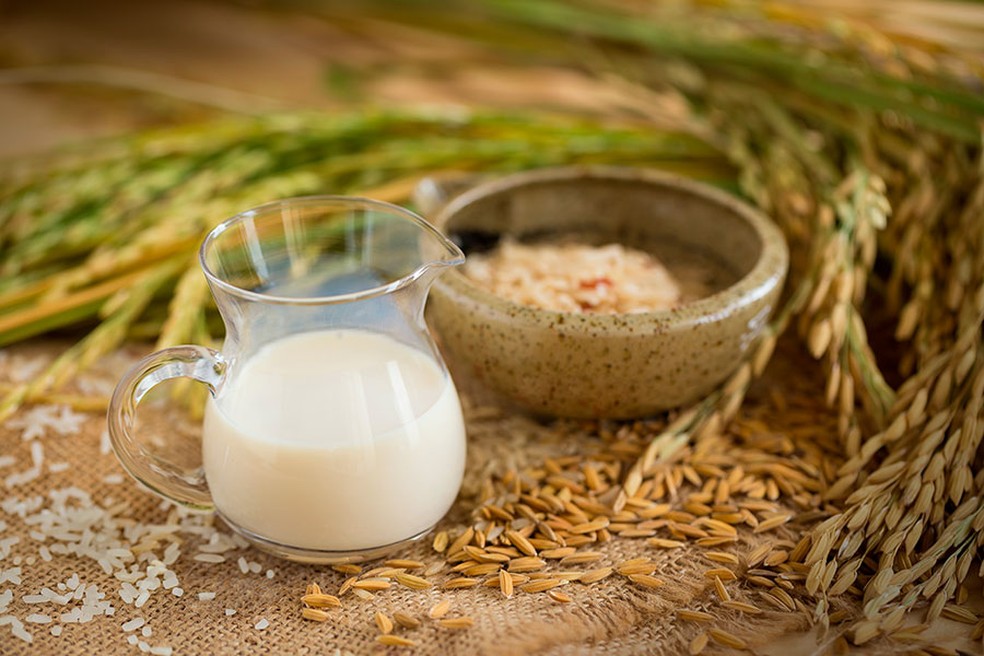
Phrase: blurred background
pixel 72 70
pixel 69 70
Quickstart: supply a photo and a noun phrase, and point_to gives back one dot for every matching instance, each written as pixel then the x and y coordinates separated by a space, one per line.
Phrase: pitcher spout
pixel 439 253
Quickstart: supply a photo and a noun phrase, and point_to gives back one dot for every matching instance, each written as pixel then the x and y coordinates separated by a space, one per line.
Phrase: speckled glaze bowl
pixel 605 365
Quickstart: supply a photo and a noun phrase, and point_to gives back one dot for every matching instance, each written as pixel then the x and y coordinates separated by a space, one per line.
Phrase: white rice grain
pixel 61 600
pixel 150 583
pixel 11 575
pixel 16 627
pixel 24 368
pixel 105 446
pixel 128 593
pixel 206 596
pixel 134 624
pixel 67 522
pixel 20 632
pixel 209 558
pixel 170 580
pixel 13 505
pixel 218 543
pixel 19 478
pixel 262 624
pixel 71 616
pixel 36 421
pixel 171 553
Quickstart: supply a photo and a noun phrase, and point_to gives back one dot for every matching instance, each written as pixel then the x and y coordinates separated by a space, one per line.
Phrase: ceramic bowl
pixel 730 258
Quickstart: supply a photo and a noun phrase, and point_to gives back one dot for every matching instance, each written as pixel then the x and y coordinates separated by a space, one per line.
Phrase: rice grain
pixel 395 641
pixel 384 623
pixel 440 609
pixel 314 614
pixel 505 584
pixel 694 615
pixel 595 575
pixel 726 639
pixel 406 621
pixel 456 622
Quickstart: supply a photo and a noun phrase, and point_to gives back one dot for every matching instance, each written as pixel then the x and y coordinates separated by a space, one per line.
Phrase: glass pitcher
pixel 332 431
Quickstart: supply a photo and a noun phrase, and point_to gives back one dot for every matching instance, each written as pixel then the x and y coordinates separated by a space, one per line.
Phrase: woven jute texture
pixel 610 617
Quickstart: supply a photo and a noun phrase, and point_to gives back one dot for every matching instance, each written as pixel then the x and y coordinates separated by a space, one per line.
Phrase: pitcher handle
pixel 196 362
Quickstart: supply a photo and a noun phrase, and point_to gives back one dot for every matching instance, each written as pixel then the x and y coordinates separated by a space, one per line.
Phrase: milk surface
pixel 335 440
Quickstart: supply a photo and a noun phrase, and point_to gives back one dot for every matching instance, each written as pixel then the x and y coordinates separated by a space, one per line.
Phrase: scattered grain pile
pixel 543 528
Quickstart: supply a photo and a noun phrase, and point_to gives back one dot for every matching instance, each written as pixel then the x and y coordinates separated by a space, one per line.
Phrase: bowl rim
pixel 768 272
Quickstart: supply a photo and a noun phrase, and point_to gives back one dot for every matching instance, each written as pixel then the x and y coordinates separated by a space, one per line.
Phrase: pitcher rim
pixel 458 257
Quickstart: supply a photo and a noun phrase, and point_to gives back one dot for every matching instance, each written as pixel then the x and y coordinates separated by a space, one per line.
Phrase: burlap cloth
pixel 611 617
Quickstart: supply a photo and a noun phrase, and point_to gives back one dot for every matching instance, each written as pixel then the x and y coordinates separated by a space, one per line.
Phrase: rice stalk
pixel 275 157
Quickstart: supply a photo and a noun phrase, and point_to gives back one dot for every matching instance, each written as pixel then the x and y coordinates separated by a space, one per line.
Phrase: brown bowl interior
pixel 706 248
